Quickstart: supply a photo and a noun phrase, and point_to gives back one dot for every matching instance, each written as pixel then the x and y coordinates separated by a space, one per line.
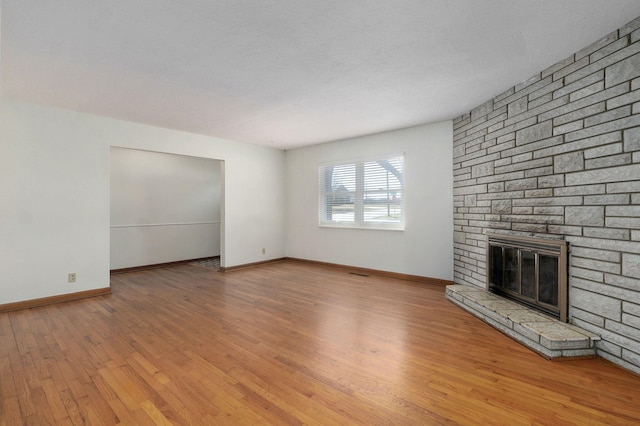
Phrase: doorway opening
pixel 164 208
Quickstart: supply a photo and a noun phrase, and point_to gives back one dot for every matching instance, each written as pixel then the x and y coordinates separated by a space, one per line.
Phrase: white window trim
pixel 359 223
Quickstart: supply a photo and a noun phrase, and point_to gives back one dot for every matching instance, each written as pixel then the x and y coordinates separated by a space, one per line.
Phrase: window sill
pixel 372 227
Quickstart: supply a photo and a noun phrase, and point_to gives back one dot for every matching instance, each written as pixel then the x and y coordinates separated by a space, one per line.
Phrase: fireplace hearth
pixel 531 271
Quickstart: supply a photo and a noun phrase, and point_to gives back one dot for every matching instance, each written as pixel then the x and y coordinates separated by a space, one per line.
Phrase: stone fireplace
pixel 557 157
pixel 531 271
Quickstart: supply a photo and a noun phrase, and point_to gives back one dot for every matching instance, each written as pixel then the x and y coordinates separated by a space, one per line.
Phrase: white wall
pixel 424 248
pixel 54 196
pixel 164 207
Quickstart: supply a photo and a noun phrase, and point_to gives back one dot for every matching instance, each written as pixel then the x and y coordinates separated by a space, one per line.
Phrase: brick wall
pixel 559 156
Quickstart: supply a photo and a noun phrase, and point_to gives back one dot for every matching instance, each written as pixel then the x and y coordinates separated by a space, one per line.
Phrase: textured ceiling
pixel 288 73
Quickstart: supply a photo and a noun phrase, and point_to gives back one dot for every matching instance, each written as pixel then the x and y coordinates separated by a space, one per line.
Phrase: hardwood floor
pixel 287 343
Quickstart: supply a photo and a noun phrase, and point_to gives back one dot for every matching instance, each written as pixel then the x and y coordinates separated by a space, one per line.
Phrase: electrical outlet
pixel 264 250
pixel 72 277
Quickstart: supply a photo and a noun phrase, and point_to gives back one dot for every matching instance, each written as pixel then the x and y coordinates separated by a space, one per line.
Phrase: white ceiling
pixel 288 73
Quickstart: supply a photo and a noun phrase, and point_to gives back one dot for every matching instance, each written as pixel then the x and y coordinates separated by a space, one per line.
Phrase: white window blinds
pixel 363 193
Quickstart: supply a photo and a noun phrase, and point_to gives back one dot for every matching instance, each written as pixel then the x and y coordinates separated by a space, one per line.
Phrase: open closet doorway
pixel 164 208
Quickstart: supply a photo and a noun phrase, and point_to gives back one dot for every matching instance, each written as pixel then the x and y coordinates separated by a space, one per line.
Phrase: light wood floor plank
pixel 287 343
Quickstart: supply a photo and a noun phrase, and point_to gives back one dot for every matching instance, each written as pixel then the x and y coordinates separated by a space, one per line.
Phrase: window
pixel 363 193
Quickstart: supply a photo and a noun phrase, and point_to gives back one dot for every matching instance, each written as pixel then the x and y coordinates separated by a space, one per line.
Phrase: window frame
pixel 359 194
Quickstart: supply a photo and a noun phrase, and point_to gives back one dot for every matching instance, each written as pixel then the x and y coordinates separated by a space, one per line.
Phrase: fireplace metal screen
pixel 532 271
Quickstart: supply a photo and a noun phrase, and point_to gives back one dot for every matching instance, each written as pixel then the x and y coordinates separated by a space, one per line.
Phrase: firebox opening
pixel 532 271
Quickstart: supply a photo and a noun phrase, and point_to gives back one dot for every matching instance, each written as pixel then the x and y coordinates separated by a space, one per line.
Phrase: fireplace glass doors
pixel 529 270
